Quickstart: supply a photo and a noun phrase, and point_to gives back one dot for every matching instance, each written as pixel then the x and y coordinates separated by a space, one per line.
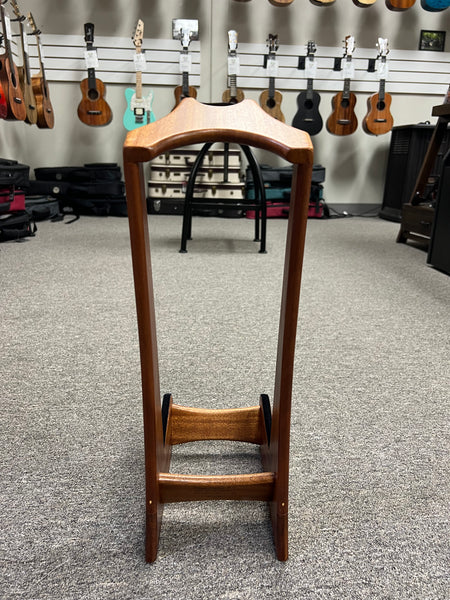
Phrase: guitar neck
pixel 92 79
pixel 233 86
pixel 185 84
pixel 25 59
pixel 271 87
pixel 6 40
pixel 346 90
pixel 139 84
pixel 382 90
pixel 309 89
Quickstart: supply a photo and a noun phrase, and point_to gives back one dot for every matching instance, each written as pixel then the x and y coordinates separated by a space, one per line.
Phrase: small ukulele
pixel 139 109
pixel 44 108
pixel 270 100
pixel 9 75
pixel 233 94
pixel 93 108
pixel 399 5
pixel 342 120
pixel 281 2
pixel 363 3
pixel 307 116
pixel 185 90
pixel 24 70
pixel 378 119
pixel 323 2
pixel 434 5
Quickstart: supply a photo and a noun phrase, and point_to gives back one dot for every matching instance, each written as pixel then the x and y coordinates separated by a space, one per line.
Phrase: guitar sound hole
pixel 93 95
pixel 270 103
pixel 381 105
pixel 345 103
pixel 308 104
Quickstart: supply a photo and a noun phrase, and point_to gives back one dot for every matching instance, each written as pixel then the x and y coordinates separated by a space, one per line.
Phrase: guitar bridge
pixel 344 122
pixel 94 112
pixel 380 120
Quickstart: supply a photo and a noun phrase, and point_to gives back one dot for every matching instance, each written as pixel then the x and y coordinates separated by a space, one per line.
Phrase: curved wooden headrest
pixel 192 122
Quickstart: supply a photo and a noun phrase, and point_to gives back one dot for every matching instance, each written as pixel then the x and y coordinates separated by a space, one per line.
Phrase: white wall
pixel 355 164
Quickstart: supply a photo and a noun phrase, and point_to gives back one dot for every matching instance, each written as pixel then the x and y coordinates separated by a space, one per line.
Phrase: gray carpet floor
pixel 369 491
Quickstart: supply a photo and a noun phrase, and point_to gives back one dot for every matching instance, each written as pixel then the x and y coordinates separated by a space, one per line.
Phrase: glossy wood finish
pixel 399 5
pixel 271 104
pixel 378 119
pixel 93 109
pixel 243 123
pixel 343 120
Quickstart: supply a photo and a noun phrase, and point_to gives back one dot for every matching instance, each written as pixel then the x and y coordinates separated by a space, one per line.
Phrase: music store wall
pixel 355 162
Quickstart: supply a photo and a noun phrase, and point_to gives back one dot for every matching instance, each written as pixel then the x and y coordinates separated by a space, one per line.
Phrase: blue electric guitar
pixel 139 108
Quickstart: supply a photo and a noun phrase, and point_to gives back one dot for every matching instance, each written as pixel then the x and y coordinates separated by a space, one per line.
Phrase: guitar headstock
pixel 138 34
pixel 186 37
pixel 32 23
pixel 16 10
pixel 272 43
pixel 232 41
pixel 89 33
pixel 311 49
pixel 383 47
pixel 349 46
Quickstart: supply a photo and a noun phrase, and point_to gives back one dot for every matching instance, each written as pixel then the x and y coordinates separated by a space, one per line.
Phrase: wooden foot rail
pixel 168 424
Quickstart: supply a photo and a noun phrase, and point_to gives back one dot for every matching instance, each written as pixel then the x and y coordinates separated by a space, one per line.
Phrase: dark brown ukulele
pixel 342 120
pixel 9 75
pixel 93 109
pixel 270 100
pixel 24 70
pixel 378 119
pixel 233 94
pixel 185 90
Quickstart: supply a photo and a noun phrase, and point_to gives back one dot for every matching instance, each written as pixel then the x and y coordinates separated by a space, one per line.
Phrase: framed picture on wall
pixel 432 40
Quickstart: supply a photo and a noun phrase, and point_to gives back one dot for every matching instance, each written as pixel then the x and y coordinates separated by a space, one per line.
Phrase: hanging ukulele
pixel 270 100
pixel 93 108
pixel 399 5
pixel 342 120
pixel 24 70
pixel 434 5
pixel 233 94
pixel 9 75
pixel 185 90
pixel 378 119
pixel 139 109
pixel 44 108
pixel 308 117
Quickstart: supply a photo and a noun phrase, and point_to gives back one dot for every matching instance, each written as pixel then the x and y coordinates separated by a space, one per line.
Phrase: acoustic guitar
pixel 307 116
pixel 93 109
pixel 342 120
pixel 24 70
pixel 44 108
pixel 233 94
pixel 9 75
pixel 139 108
pixel 399 5
pixel 270 100
pixel 378 119
pixel 185 90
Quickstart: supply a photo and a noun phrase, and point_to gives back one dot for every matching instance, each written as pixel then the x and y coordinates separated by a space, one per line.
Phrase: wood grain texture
pixel 44 108
pixel 93 109
pixel 272 106
pixel 343 120
pixel 399 5
pixel 9 79
pixel 228 98
pixel 190 424
pixel 378 119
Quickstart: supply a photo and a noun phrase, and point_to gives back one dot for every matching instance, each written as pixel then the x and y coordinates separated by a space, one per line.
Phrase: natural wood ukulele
pixel 44 108
pixel 233 94
pixel 24 70
pixel 139 108
pixel 378 119
pixel 185 90
pixel 307 116
pixel 93 108
pixel 342 120
pixel 399 5
pixel 270 100
pixel 9 75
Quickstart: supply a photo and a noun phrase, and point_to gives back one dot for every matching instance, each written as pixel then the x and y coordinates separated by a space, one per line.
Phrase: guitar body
pixel 281 2
pixel 271 104
pixel 399 5
pixel 229 99
pixel 322 2
pixel 343 120
pixel 307 116
pixel 9 79
pixel 93 109
pixel 139 110
pixel 378 119
pixel 434 5
pixel 179 95
pixel 28 96
pixel 44 109
pixel 3 104
pixel 363 3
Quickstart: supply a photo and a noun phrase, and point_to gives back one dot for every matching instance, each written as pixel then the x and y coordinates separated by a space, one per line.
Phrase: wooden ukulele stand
pixel 191 123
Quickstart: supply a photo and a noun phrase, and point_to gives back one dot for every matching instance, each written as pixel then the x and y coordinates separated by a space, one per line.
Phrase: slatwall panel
pixel 410 72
